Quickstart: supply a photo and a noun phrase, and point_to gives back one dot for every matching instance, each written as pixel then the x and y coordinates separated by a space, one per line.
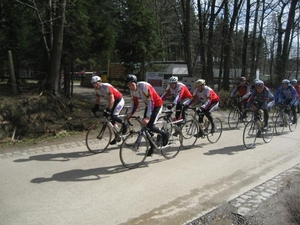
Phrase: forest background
pixel 53 38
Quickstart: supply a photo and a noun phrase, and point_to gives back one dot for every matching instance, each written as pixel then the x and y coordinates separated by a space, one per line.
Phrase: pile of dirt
pixel 30 115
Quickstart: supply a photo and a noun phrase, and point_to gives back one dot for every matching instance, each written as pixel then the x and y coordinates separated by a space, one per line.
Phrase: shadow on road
pixel 89 174
pixel 230 150
pixel 60 157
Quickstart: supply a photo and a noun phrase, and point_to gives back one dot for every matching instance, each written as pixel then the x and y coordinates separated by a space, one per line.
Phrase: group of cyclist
pixel 141 90
pixel 260 97
pixel 257 95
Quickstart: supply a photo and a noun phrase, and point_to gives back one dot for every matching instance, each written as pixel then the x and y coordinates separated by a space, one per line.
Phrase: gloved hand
pixel 169 107
pixel 107 112
pixel 95 108
pixel 185 107
pixel 199 110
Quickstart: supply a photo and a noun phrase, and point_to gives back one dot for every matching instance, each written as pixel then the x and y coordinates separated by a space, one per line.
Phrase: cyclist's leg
pixel 178 110
pixel 116 109
pixel 209 117
pixel 244 108
pixel 293 108
pixel 151 124
pixel 266 117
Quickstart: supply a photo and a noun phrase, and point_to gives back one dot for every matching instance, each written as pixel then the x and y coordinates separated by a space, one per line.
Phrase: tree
pixel 283 54
pixel 137 40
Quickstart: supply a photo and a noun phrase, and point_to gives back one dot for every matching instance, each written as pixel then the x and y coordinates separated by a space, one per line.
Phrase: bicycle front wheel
pixel 249 135
pixel 279 124
pixel 215 136
pixel 233 119
pixel 133 151
pixel 172 149
pixel 267 135
pixel 189 131
pixel 98 137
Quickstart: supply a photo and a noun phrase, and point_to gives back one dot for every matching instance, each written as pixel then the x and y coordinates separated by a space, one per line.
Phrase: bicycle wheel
pixel 214 137
pixel 249 135
pixel 233 119
pixel 172 149
pixel 279 124
pixel 133 151
pixel 267 135
pixel 292 126
pixel 98 137
pixel 189 131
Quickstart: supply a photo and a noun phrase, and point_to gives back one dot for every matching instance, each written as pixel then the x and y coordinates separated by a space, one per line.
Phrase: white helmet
pixel 173 80
pixel 199 82
pixel 96 79
pixel 294 81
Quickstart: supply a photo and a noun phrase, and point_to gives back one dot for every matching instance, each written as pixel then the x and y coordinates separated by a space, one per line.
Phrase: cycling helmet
pixel 200 82
pixel 130 78
pixel 285 81
pixel 243 79
pixel 173 80
pixel 294 81
pixel 259 83
pixel 96 79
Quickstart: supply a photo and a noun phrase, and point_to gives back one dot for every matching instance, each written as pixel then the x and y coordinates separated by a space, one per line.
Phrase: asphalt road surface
pixel 65 184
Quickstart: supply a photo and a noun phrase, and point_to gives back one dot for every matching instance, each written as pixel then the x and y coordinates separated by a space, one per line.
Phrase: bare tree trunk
pixel 228 36
pixel 58 30
pixel 283 58
pixel 254 42
pixel 186 8
pixel 12 73
pixel 202 25
pixel 245 42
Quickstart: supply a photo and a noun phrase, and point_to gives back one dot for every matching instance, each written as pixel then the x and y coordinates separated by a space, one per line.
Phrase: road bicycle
pixel 191 128
pixel 135 147
pixel 100 134
pixel 284 118
pixel 254 129
pixel 235 114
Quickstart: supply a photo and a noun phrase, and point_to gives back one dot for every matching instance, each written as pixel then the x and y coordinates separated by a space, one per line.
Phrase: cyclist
pixel 288 96
pixel 115 102
pixel 208 98
pixel 294 82
pixel 242 92
pixel 145 92
pixel 180 93
pixel 264 101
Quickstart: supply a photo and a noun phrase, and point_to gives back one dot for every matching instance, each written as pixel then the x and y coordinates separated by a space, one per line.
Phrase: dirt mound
pixel 30 115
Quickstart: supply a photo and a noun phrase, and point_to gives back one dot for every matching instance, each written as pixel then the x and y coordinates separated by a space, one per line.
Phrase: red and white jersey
pixel 180 93
pixel 146 93
pixel 106 90
pixel 206 96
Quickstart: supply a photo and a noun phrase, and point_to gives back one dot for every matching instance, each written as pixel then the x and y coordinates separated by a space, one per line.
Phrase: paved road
pixel 65 184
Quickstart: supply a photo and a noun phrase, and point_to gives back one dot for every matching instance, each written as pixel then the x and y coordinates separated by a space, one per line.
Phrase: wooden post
pixel 12 73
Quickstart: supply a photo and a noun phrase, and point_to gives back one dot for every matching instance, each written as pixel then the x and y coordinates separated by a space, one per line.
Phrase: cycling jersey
pixel 146 93
pixel 106 90
pixel 289 94
pixel 265 99
pixel 206 97
pixel 180 93
pixel 242 90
